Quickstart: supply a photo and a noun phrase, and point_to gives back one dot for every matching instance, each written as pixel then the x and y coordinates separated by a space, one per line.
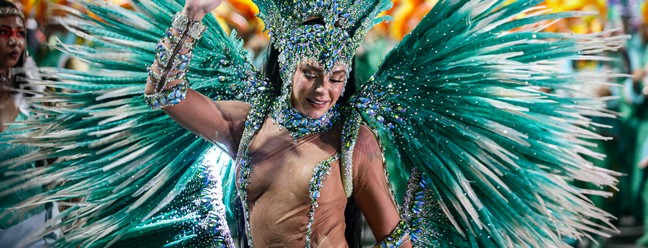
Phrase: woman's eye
pixel 309 76
pixel 22 34
pixel 337 80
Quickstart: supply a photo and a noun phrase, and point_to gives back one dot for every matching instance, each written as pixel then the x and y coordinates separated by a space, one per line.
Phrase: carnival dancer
pixel 15 68
pixel 450 143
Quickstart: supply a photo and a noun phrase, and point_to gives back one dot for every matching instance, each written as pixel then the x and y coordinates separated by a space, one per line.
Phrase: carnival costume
pixel 475 154
pixel 21 222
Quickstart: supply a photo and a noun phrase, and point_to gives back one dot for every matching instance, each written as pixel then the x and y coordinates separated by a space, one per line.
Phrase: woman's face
pixel 12 41
pixel 313 91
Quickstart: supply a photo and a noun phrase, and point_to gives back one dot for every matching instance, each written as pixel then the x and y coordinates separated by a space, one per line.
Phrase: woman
pixel 279 211
pixel 13 110
pixel 13 46
pixel 476 155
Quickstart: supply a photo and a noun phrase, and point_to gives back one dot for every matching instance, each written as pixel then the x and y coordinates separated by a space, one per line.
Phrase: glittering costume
pixel 474 154
pixel 9 151
pixel 17 224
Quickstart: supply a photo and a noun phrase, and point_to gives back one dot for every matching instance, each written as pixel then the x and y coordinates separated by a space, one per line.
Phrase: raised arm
pixel 371 192
pixel 167 86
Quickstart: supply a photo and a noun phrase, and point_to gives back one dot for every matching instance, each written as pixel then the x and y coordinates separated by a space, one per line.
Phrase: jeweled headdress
pixel 329 44
pixel 335 42
pixel 6 11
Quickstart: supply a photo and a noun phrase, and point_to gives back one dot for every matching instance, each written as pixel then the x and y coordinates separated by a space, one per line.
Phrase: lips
pixel 14 55
pixel 317 103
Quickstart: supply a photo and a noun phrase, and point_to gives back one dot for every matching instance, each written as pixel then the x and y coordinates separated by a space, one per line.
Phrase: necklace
pixel 6 78
pixel 299 125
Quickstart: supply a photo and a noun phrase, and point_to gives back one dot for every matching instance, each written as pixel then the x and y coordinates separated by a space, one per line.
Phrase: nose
pixel 12 41
pixel 321 84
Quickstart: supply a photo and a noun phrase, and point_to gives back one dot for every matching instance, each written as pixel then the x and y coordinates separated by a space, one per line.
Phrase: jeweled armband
pixel 168 97
pixel 397 237
pixel 173 54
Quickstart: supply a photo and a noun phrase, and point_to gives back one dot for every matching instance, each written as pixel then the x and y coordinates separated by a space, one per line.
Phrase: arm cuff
pixel 397 237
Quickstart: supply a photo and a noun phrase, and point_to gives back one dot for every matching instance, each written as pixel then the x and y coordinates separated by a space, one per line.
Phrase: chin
pixel 315 114
pixel 311 112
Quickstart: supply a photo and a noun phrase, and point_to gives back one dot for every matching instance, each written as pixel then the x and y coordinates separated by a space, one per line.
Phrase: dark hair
pixel 353 221
pixel 5 3
pixel 19 77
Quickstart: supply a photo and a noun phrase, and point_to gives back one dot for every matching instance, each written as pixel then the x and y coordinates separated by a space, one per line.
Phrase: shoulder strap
pixel 350 132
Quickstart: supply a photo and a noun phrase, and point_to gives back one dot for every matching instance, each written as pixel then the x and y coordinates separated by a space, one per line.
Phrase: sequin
pixel 166 98
pixel 300 125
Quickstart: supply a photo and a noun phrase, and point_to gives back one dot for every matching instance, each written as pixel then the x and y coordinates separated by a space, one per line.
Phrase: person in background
pixel 14 68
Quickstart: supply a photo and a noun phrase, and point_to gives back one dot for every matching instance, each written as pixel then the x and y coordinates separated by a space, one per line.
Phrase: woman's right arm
pixel 216 121
pixel 220 121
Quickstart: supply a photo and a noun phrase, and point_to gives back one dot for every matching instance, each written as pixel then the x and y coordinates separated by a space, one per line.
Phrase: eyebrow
pixel 308 66
pixel 7 26
pixel 312 67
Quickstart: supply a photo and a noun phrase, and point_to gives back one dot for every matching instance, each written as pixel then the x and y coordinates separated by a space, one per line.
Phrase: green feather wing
pixel 138 173
pixel 459 100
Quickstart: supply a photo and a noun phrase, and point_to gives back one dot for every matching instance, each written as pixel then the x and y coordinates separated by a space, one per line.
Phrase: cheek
pixel 22 44
pixel 299 89
pixel 337 91
pixel 303 86
pixel 297 86
pixel 4 48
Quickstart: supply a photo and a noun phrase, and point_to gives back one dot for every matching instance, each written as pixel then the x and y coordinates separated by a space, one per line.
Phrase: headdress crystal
pixel 335 42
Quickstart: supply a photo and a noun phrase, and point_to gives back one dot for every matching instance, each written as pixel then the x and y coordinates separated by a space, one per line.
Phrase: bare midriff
pixel 278 194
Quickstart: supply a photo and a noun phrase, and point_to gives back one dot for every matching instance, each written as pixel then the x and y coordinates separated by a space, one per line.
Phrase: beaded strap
pixel 168 97
pixel 397 237
pixel 172 56
pixel 315 188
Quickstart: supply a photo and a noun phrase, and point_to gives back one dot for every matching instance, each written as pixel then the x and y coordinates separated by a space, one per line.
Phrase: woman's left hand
pixel 197 9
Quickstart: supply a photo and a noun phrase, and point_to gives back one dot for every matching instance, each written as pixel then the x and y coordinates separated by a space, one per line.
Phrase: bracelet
pixel 181 22
pixel 171 57
pixel 397 237
pixel 172 61
pixel 168 97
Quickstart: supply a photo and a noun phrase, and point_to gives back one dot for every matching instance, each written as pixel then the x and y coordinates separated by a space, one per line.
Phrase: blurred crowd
pixel 626 97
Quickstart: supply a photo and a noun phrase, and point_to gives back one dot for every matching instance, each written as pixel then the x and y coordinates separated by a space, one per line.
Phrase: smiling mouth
pixel 317 103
